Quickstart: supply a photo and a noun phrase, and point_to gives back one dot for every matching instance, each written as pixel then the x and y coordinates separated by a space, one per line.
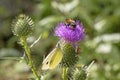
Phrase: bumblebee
pixel 70 22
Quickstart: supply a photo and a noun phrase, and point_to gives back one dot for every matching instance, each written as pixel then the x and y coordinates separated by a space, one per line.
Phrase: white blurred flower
pixel 99 25
pixel 104 48
pixel 65 8
pixel 113 38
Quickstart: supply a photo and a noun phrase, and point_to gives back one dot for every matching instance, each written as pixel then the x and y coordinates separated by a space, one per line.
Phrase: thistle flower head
pixel 71 31
pixel 22 25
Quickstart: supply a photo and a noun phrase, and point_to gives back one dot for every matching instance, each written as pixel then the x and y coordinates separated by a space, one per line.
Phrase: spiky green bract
pixel 79 74
pixel 70 57
pixel 22 25
pixel 70 73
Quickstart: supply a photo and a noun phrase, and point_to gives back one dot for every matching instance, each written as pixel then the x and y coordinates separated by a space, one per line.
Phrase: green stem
pixel 27 50
pixel 64 74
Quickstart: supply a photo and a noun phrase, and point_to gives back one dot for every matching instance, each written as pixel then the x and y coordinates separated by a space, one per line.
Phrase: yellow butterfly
pixel 53 59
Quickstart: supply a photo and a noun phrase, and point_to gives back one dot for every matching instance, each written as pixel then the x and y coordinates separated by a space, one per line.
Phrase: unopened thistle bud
pixel 82 73
pixel 79 74
pixel 22 25
pixel 70 57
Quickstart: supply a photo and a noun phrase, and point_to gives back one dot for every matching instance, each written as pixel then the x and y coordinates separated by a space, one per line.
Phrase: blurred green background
pixel 101 20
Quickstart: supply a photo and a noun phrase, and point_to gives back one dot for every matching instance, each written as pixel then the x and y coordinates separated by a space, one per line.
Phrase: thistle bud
pixel 22 25
pixel 82 73
pixel 79 74
pixel 70 57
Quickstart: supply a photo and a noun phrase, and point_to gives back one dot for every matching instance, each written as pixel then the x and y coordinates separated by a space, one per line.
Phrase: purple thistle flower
pixel 69 32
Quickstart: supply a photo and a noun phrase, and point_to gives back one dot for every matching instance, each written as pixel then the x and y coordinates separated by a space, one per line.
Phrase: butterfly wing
pixel 56 59
pixel 52 60
pixel 46 61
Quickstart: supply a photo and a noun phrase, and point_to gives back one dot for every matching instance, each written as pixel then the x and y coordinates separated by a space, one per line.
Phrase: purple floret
pixel 70 34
